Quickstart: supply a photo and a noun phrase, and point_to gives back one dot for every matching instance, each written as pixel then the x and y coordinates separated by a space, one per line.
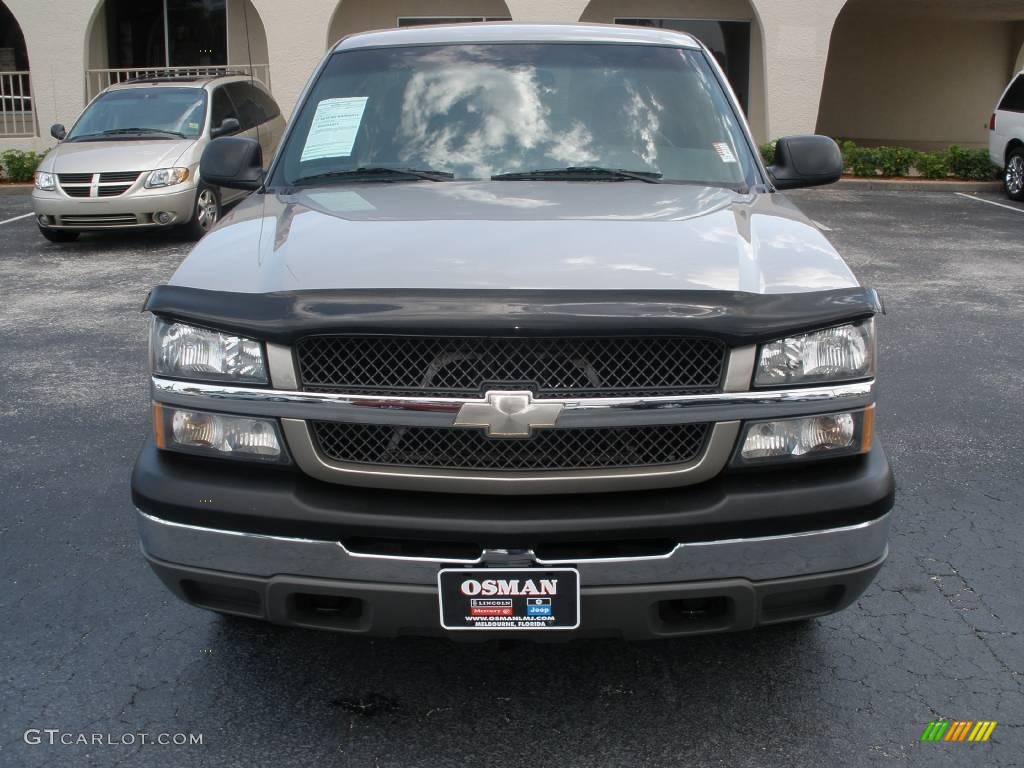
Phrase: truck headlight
pixel 217 434
pixel 166 177
pixel 187 352
pixel 46 181
pixel 826 436
pixel 842 353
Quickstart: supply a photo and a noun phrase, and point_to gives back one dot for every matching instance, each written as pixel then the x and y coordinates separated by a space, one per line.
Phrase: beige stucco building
pixel 922 73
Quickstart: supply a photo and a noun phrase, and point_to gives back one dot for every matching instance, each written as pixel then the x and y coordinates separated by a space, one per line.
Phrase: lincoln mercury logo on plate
pixel 508 414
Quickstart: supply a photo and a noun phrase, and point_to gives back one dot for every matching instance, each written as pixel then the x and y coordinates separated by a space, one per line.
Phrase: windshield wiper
pixel 127 131
pixel 579 173
pixel 378 173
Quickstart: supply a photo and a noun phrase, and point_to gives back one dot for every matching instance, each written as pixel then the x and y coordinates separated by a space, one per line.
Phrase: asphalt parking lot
pixel 92 643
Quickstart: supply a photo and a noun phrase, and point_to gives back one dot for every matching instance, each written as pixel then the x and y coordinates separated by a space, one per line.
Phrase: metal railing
pixel 17 107
pixel 98 79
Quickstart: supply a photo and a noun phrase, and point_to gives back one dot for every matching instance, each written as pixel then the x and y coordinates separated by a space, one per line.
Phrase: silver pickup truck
pixel 516 337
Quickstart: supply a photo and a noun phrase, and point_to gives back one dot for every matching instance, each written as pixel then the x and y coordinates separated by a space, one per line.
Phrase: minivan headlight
pixel 842 353
pixel 166 177
pixel 46 181
pixel 188 352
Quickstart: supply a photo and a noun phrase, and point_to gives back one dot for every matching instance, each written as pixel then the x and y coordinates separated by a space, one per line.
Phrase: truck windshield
pixel 515 111
pixel 143 113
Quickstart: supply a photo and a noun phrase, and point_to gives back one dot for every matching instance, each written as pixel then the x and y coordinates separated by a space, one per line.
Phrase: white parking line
pixel 16 218
pixel 990 202
pixel 821 226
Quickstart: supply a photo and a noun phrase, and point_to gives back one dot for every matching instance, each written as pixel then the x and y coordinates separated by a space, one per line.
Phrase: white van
pixel 1006 137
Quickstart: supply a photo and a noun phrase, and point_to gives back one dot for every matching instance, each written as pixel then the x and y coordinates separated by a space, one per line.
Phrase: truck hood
pixel 110 156
pixel 515 235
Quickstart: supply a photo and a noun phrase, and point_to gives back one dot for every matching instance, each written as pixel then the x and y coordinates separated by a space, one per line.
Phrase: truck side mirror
pixel 234 162
pixel 806 161
pixel 58 132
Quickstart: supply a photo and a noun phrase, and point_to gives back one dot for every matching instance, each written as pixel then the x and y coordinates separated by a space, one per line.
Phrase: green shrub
pixel 768 153
pixel 970 164
pixel 864 161
pixel 20 166
pixel 894 161
pixel 932 165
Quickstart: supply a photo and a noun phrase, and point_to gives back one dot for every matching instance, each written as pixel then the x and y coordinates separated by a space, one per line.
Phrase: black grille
pixel 77 191
pixel 75 178
pixel 112 191
pixel 550 367
pixel 119 176
pixel 547 449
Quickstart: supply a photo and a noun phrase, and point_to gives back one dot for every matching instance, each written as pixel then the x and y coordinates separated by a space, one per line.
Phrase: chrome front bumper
pixel 755 559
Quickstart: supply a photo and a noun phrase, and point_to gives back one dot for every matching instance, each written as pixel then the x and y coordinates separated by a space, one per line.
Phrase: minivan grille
pixel 547 450
pixel 127 176
pixel 111 184
pixel 619 366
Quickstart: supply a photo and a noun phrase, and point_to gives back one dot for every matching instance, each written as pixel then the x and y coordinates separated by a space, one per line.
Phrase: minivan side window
pixel 266 103
pixel 221 108
pixel 250 109
pixel 1013 101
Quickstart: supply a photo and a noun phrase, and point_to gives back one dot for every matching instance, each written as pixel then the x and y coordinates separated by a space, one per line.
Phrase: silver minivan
pixel 131 160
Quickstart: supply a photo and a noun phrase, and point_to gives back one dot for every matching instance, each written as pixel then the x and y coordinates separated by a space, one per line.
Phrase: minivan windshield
pixel 515 111
pixel 143 113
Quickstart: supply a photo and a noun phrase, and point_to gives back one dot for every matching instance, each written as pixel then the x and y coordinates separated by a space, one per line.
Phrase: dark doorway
pixel 13 52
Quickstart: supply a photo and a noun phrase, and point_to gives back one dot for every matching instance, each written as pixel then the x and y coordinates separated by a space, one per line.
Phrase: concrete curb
pixel 15 189
pixel 924 185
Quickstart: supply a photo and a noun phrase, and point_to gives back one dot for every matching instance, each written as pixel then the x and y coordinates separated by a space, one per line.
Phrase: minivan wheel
pixel 59 235
pixel 1015 174
pixel 205 214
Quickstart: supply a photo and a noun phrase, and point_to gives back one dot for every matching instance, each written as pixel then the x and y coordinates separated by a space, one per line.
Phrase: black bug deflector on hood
pixel 735 318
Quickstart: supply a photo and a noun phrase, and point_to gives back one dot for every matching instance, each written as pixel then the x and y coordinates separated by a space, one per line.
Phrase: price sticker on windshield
pixel 725 152
pixel 334 128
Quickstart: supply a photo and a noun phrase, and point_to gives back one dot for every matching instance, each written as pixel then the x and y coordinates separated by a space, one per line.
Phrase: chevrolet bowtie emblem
pixel 508 414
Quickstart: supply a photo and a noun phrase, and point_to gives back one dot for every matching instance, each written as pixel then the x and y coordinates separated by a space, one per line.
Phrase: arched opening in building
pixel 17 109
pixel 361 15
pixel 130 39
pixel 729 28
pixel 919 73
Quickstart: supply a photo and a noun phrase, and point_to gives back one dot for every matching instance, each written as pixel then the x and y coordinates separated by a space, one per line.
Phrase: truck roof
pixel 512 32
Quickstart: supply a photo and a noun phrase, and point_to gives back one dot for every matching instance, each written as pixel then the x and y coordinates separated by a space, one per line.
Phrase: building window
pixel 166 33
pixel 418 21
pixel 729 41
pixel 13 53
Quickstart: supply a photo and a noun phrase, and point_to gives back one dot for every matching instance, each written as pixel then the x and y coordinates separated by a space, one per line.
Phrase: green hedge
pixel 20 166
pixel 870 162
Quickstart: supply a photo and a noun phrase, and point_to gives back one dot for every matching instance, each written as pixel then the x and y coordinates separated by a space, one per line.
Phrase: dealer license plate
pixel 509 598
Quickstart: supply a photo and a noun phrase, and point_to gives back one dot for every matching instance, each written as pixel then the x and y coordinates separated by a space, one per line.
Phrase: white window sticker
pixel 725 152
pixel 334 128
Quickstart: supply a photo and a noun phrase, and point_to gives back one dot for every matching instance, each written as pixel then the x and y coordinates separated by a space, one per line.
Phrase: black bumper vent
pixel 549 367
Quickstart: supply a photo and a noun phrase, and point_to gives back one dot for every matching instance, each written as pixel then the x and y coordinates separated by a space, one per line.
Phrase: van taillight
pixel 992 122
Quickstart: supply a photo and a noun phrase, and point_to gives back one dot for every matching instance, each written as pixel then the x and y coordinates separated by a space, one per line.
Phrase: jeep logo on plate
pixel 508 414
